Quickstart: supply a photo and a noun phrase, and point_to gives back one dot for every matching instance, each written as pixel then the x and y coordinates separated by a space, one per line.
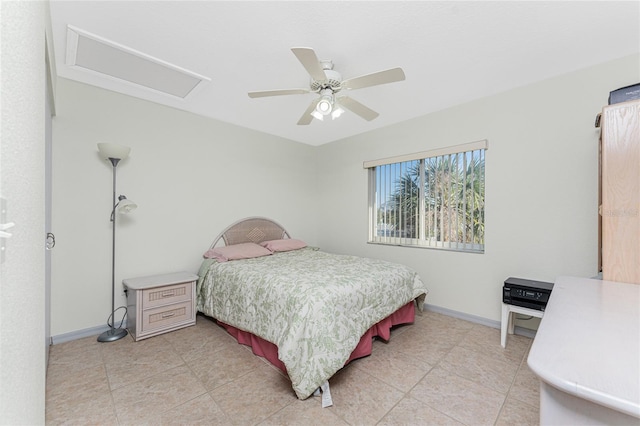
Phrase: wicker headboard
pixel 251 230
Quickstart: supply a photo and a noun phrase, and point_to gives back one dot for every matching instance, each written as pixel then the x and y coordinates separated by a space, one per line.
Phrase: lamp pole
pixel 113 333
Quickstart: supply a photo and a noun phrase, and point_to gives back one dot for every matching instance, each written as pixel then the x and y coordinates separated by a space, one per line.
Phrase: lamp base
pixel 112 335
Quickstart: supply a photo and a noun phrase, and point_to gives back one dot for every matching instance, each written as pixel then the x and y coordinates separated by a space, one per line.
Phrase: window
pixel 430 199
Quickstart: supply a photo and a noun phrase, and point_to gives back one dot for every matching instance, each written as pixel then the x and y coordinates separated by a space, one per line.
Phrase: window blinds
pixel 455 149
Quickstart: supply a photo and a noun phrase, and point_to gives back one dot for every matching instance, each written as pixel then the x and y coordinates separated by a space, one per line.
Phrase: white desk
pixel 587 353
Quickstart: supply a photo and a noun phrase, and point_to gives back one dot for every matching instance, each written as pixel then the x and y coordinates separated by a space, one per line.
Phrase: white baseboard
pixel 80 334
pixel 522 331
pixel 95 331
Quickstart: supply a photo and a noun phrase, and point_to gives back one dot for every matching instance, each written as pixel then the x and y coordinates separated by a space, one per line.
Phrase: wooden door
pixel 621 192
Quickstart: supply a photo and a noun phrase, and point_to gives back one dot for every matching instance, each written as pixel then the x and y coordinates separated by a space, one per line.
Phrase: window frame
pixel 419 238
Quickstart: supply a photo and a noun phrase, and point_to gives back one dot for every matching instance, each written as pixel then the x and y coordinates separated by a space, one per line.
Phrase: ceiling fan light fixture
pixel 337 112
pixel 317 115
pixel 325 104
pixel 327 82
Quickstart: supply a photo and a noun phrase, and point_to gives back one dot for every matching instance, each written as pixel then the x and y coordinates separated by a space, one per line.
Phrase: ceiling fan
pixel 329 85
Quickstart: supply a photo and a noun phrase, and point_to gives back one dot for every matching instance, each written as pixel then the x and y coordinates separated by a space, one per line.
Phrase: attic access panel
pixel 115 61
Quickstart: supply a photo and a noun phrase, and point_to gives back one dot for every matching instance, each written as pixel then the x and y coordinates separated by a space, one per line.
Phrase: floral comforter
pixel 314 306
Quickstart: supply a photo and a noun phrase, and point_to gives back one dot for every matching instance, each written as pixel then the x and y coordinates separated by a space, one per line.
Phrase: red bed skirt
pixel 268 350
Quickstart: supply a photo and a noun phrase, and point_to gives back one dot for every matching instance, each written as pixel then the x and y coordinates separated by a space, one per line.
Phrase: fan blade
pixel 266 93
pixel 374 79
pixel 307 117
pixel 357 108
pixel 310 62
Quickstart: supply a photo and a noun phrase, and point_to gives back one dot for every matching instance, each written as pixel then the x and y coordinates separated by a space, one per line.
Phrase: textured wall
pixel 22 287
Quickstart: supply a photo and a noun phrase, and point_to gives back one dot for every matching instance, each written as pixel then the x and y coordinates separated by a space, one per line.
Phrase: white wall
pixel 190 176
pixel 22 148
pixel 541 186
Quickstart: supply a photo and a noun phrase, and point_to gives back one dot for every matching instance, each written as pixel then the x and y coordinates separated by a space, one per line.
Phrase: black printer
pixel 526 293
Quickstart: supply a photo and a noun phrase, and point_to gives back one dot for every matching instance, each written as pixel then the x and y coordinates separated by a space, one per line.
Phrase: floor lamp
pixel 114 153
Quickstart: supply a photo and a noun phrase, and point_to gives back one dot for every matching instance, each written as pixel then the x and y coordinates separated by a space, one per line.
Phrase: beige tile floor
pixel 438 371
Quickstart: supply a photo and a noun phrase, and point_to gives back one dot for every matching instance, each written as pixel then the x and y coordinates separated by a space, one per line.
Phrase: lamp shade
pixel 113 150
pixel 317 115
pixel 337 112
pixel 125 205
pixel 324 106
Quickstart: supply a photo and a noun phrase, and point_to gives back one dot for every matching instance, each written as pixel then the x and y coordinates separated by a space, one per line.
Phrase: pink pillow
pixel 236 251
pixel 283 245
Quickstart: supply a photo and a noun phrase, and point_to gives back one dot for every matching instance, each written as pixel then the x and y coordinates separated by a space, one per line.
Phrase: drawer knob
pixel 169 293
pixel 168 314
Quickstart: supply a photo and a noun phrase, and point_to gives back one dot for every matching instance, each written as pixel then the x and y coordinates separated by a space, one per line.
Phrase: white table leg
pixel 504 325
pixel 511 322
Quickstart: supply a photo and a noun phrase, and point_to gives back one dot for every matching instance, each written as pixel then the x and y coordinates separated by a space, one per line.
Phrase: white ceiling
pixel 451 52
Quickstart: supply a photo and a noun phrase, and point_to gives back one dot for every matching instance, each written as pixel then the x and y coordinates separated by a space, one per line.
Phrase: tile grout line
pixel 430 370
pixel 513 381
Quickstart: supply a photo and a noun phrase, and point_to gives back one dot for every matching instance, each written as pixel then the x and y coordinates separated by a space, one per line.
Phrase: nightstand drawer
pixel 166 316
pixel 165 295
pixel 160 303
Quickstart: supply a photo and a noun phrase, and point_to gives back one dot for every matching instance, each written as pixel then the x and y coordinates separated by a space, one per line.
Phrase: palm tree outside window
pixel 435 201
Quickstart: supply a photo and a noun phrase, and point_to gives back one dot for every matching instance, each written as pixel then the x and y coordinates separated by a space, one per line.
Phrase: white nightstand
pixel 160 303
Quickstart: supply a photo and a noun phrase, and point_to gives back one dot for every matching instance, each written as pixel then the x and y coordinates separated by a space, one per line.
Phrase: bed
pixel 306 311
